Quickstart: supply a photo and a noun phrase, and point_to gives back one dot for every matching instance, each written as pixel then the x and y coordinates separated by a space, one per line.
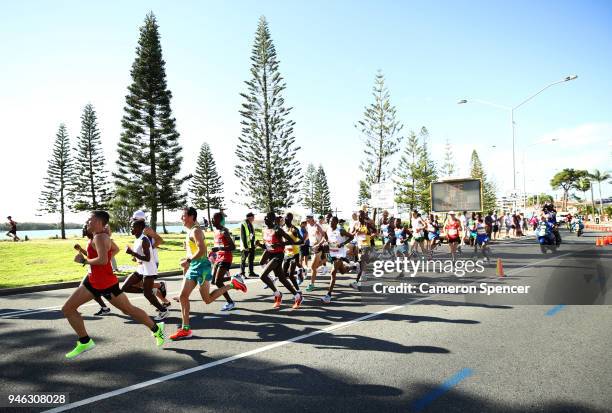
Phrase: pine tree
pixel 448 168
pixel 149 153
pixel 321 193
pixel 380 131
pixel 489 197
pixel 308 188
pixel 206 186
pixel 268 168
pixel 364 195
pixel 424 173
pixel 90 186
pixel 55 196
pixel 406 182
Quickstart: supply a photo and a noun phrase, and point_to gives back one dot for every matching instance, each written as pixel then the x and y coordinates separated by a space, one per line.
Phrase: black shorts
pixel 304 251
pixel 225 265
pixel 13 231
pixel 495 228
pixel 107 293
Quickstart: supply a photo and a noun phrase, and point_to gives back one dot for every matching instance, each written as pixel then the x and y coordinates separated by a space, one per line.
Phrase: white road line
pixel 225 360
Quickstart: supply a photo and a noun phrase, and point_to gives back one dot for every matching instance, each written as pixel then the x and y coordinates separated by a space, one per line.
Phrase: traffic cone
pixel 598 242
pixel 500 268
pixel 606 240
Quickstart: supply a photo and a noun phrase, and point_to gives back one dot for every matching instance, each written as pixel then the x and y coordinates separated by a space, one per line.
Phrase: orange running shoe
pixel 239 283
pixel 278 299
pixel 298 301
pixel 180 334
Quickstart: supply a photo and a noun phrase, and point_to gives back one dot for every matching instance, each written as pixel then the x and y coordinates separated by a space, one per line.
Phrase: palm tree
pixel 583 185
pixel 599 177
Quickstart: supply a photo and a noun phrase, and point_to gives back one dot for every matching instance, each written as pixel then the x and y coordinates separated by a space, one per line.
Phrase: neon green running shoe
pixel 160 337
pixel 81 348
pixel 310 288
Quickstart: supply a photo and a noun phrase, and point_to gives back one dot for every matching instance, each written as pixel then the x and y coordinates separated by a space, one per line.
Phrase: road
pixel 430 353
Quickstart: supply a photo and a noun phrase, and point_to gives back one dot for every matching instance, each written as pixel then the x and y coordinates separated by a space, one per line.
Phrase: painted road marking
pixel 461 375
pixel 555 310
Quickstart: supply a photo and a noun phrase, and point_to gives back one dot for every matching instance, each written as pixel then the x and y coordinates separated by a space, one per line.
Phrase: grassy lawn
pixel 48 261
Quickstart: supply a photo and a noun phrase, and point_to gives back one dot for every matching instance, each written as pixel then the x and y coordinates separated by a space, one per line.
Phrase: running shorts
pixel 199 271
pixel 481 239
pixel 107 293
pixel 289 258
pixel 401 249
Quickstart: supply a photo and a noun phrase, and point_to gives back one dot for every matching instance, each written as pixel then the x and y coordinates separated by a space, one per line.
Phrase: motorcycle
pixel 548 238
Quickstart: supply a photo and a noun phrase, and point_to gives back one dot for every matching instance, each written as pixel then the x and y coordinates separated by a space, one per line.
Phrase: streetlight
pixel 512 109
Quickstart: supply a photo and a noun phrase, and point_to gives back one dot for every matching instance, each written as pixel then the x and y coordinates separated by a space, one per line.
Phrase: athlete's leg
pixel 123 303
pixel 78 297
pixel 218 274
pixel 209 296
pixel 265 277
pixel 147 285
pixel 282 276
pixel 132 284
pixel 316 263
pixel 188 286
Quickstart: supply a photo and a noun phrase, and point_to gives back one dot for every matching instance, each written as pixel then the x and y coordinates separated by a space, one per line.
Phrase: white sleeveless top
pixel 145 267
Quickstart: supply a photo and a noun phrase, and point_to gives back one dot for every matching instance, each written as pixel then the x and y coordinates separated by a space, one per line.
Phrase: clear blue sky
pixel 58 56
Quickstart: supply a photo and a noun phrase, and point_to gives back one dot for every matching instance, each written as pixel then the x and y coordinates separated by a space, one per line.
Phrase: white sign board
pixel 382 195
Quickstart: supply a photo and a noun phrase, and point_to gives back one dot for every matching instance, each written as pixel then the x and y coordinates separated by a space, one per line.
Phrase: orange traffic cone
pixel 598 242
pixel 500 268
pixel 606 240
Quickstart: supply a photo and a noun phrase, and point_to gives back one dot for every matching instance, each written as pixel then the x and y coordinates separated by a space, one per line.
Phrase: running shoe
pixel 160 337
pixel 162 288
pixel 180 334
pixel 239 283
pixel 167 304
pixel 228 306
pixel 326 299
pixel 310 288
pixel 161 315
pixel 356 285
pixel 323 270
pixel 297 301
pixel 81 348
pixel 102 311
pixel 253 275
pixel 278 299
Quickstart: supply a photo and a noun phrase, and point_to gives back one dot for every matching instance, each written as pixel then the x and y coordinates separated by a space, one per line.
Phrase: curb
pixel 62 285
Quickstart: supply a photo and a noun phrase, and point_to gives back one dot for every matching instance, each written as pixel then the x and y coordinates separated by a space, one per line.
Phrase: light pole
pixel 511 110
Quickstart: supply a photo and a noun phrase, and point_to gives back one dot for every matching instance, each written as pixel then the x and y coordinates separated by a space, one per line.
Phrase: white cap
pixel 139 216
pixel 451 212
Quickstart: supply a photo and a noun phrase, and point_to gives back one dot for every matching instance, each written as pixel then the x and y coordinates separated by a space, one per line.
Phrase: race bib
pixel 452 232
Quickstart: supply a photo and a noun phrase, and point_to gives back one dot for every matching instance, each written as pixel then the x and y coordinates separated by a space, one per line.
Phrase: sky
pixel 58 56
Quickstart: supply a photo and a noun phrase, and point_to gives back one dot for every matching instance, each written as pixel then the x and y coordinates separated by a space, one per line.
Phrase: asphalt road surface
pixel 537 352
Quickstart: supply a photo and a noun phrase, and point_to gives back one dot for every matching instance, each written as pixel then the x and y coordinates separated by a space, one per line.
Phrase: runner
pixel 433 234
pixel 488 220
pixel 418 227
pixel 223 247
pixel 114 250
pixel 452 232
pixel 482 239
pixel 12 232
pixel 101 282
pixel 385 229
pixel 304 252
pixel 316 237
pixel 159 287
pixel 197 272
pixel 363 233
pixel 146 272
pixel 337 238
pixel 274 254
pixel 402 237
pixel 471 227
pixel 495 225
pixel 292 252
pixel 323 221
pixel 464 226
pixel 247 245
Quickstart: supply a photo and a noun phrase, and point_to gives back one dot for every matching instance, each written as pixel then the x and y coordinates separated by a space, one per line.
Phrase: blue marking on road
pixel 420 404
pixel 555 310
